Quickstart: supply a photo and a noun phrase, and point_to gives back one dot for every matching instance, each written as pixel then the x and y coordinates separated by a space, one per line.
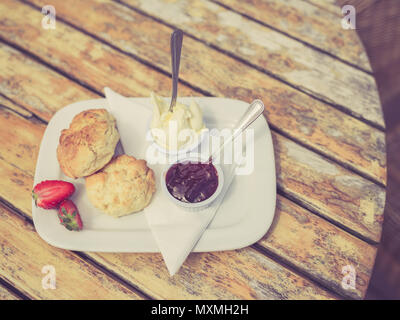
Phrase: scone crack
pixel 88 144
pixel 123 186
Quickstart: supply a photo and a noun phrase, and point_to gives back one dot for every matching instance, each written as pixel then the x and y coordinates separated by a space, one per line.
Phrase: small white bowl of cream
pixel 176 131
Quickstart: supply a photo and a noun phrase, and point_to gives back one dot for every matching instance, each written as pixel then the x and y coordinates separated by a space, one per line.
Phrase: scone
pixel 123 186
pixel 88 144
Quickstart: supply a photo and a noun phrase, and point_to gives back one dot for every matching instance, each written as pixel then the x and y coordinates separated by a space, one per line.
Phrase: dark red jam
pixel 192 181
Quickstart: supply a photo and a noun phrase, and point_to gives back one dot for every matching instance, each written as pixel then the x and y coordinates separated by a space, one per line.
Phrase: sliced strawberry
pixel 69 216
pixel 48 194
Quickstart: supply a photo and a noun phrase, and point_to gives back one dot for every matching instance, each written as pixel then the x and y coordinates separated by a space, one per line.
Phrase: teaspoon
pixel 176 46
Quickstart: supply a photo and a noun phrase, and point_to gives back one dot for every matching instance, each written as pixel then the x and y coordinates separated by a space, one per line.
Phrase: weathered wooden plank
pixel 308 23
pixel 290 60
pixel 238 274
pixel 359 5
pixel 27 136
pixel 348 213
pixel 75 278
pixel 17 71
pixel 307 120
pixel 319 248
pixel 4 102
pixel 6 294
pixel 328 189
pixel 328 5
pixel 17 188
pixel 335 6
pixel 299 237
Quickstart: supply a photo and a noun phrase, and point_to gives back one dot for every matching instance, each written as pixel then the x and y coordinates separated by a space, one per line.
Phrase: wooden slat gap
pixel 22 215
pixel 2 106
pixel 288 35
pixel 16 104
pixel 322 7
pixel 290 266
pixel 131 286
pixel 304 205
pixel 326 156
pixel 14 291
pixel 38 59
pixel 13 165
pixel 33 117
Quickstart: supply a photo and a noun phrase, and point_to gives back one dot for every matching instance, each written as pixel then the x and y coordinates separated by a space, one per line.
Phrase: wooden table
pixel 321 103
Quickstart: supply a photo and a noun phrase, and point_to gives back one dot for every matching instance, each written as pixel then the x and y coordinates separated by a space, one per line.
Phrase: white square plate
pixel 243 218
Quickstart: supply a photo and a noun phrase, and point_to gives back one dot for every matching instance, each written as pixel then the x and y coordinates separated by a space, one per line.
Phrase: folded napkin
pixel 175 229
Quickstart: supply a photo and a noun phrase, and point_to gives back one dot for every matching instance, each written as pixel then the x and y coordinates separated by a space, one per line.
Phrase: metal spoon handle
pixel 176 46
pixel 255 109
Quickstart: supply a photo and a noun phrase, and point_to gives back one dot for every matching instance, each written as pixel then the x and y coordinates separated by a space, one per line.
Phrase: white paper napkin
pixel 175 229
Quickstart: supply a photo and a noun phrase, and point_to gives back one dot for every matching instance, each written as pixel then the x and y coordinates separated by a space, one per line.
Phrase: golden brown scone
pixel 88 144
pixel 123 186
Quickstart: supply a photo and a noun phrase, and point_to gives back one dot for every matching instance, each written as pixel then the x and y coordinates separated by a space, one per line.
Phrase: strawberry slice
pixel 49 193
pixel 69 216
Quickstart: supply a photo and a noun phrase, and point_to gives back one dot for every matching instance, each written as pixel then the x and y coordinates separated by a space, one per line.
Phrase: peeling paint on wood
pixel 75 278
pixel 19 140
pixel 5 294
pixel 18 84
pixel 327 5
pixel 238 274
pixel 4 102
pixel 319 248
pixel 308 23
pixel 328 189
